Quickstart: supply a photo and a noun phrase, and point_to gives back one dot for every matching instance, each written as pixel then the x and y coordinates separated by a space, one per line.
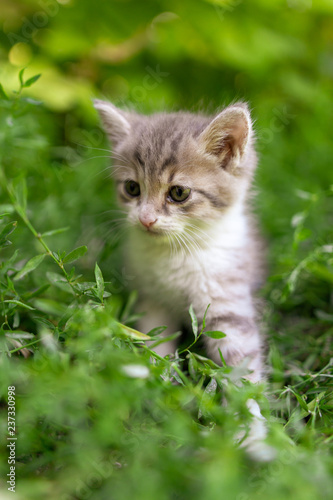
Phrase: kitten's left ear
pixel 228 136
pixel 116 122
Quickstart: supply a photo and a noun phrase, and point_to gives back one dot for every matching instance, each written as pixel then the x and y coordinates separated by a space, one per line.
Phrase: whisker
pixel 195 235
pixel 174 245
pixel 192 243
pixel 117 234
pixel 181 236
pixel 170 244
pixel 118 156
pixel 113 224
pixel 91 147
pixel 93 158
pixel 197 228
pixel 112 154
pixel 179 243
pixel 113 210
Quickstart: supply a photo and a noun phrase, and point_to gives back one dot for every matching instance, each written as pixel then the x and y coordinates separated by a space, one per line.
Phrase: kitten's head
pixel 175 171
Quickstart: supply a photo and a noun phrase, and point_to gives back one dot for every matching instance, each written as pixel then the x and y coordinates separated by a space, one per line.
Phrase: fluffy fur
pixel 204 249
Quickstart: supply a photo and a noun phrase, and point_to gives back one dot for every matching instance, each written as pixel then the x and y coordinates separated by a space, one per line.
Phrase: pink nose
pixel 147 221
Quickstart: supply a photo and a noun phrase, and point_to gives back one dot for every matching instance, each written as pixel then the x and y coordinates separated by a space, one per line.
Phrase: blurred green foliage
pixel 96 418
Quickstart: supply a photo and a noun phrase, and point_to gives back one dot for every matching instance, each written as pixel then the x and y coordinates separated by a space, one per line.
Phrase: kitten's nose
pixel 147 220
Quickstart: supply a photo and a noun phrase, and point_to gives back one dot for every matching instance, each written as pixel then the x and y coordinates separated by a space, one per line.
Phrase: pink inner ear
pixel 238 135
pixel 227 137
pixel 225 150
pixel 226 147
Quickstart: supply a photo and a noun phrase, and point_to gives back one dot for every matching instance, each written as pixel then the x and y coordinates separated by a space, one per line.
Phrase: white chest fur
pixel 175 280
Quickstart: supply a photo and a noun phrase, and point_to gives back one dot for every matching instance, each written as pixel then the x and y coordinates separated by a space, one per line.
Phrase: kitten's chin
pixel 152 232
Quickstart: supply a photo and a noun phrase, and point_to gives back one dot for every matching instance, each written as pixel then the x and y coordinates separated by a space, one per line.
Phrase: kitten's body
pixel 221 274
pixel 201 250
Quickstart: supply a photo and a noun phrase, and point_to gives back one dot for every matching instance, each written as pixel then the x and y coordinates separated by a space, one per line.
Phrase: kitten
pixel 183 180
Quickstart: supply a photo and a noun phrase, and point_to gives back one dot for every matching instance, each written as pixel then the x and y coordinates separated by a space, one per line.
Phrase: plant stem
pixel 21 212
pixel 24 346
pixel 191 345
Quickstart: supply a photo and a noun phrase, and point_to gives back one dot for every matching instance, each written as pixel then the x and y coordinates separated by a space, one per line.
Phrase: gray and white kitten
pixel 183 180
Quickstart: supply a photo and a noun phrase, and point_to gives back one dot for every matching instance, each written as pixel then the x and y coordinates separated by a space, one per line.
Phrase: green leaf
pixel 3 94
pixel 222 358
pixel 324 316
pixel 207 399
pixel 321 271
pixel 55 231
pixel 192 365
pixel 125 315
pixel 130 332
pixel 206 361
pixel 4 243
pixel 194 321
pixel 163 340
pixel 45 322
pixel 6 266
pixel 16 318
pixel 19 303
pixel 204 318
pixel 75 254
pixel 21 76
pixel 59 281
pixel 157 331
pixel 6 209
pixel 20 192
pixel 210 390
pixel 37 292
pixel 48 306
pixel 8 229
pixel 84 287
pixel 31 80
pixel 176 375
pixel 30 266
pixel 99 282
pixel 299 398
pixel 19 334
pixel 215 335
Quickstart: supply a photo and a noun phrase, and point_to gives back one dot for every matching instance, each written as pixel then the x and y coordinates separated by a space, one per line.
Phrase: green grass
pixel 97 414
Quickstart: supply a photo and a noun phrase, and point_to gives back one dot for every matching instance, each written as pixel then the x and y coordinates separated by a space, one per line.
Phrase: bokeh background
pixel 79 411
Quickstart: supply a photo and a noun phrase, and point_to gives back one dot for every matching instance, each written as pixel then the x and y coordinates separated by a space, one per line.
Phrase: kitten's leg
pixel 242 341
pixel 157 316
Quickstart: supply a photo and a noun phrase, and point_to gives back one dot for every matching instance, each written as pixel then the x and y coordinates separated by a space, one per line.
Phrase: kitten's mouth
pixel 153 232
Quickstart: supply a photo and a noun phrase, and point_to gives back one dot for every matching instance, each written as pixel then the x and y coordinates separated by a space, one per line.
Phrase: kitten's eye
pixel 132 188
pixel 178 193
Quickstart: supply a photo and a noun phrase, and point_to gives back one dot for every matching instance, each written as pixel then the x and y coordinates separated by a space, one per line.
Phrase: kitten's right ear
pixel 227 137
pixel 115 123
